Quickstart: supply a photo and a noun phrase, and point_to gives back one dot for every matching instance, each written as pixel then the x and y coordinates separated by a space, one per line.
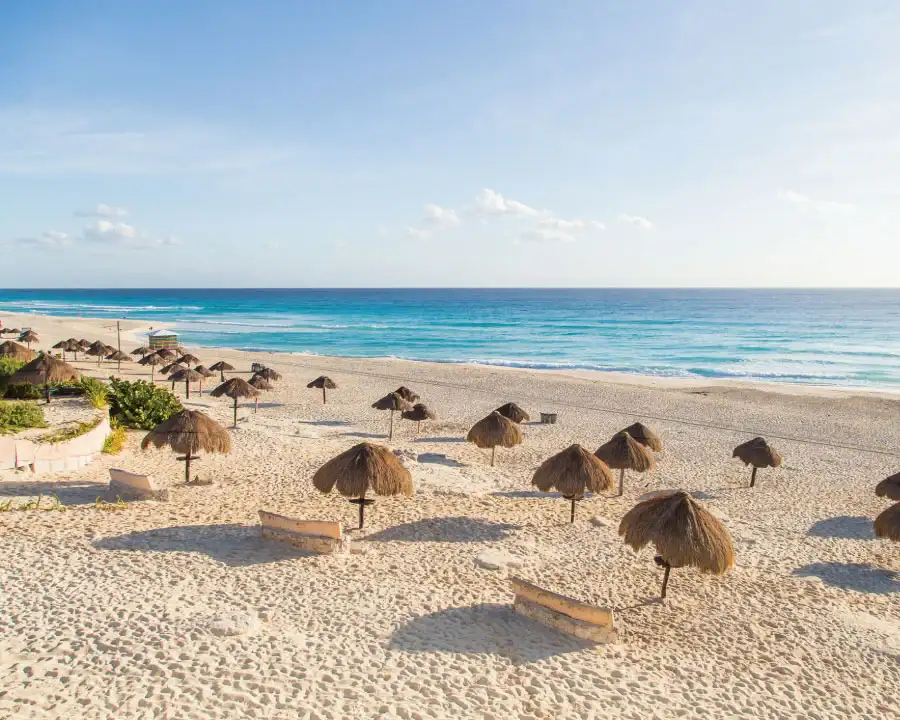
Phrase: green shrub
pixel 115 441
pixel 141 405
pixel 25 391
pixel 16 416
pixel 70 433
pixel 96 391
pixel 8 366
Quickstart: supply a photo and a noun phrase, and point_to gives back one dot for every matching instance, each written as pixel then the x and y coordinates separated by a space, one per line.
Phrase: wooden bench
pixel 133 486
pixel 562 613
pixel 312 535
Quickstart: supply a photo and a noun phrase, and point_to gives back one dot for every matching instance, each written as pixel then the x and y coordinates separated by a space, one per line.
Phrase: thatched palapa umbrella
pixel 44 370
pixel 73 346
pixel 362 468
pixel 62 345
pixel 889 487
pixel 324 383
pixel 28 338
pixel 268 373
pixel 221 367
pixel 419 414
pixel 152 360
pixel 260 383
pixel 189 432
pixel 83 345
pixel 235 388
pixel 166 354
pixel 142 350
pixel 684 533
pixel 172 367
pixel 622 452
pixel 97 350
pixel 513 412
pixel 645 436
pixel 493 431
pixel 117 356
pixel 392 401
pixel 887 524
pixel 13 350
pixel 407 394
pixel 758 453
pixel 188 376
pixel 188 359
pixel 572 472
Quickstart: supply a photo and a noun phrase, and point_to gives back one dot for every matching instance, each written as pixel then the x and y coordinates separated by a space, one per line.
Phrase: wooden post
pixel 572 516
pixel 187 388
pixel 235 411
pixel 665 580
pixel 753 477
pixel 621 482
pixel 391 431
pixel 324 399
pixel 362 511
pixel 493 453
pixel 187 467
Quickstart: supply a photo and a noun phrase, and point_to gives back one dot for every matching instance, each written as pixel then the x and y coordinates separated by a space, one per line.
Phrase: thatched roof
pixel 172 367
pixel 165 353
pixel 363 468
pixel 142 350
pixel 118 356
pixel 13 350
pixel 406 394
pixel 44 369
pixel 61 345
pixel 887 524
pixel 758 453
pixel 204 371
pixel 513 412
pixel 684 533
pixel 29 336
pixel 573 471
pixel 495 431
pixel 186 375
pixel 188 359
pixel 623 452
pixel 96 349
pixel 392 401
pixel 645 436
pixel 323 381
pixel 153 359
pixel 235 388
pixel 260 383
pixel 220 366
pixel 269 374
pixel 83 344
pixel 419 413
pixel 889 487
pixel 188 432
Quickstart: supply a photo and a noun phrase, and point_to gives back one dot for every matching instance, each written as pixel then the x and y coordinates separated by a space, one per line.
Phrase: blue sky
pixel 500 143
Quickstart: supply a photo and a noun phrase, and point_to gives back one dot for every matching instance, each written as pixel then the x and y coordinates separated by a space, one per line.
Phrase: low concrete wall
pixel 562 613
pixel 311 535
pixel 53 457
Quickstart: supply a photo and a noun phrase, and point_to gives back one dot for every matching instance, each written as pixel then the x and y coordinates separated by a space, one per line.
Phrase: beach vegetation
pixel 101 504
pixel 116 439
pixel 70 432
pixel 8 366
pixel 17 416
pixel 141 405
pixel 96 391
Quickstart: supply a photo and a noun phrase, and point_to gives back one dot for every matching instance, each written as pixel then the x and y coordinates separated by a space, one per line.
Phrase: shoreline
pixel 131 329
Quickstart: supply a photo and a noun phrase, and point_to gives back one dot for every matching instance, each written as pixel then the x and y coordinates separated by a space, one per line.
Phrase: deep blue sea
pixel 848 338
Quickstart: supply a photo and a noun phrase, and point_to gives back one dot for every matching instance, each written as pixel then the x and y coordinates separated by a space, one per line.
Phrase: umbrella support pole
pixel 187 389
pixel 753 477
pixel 391 431
pixel 572 515
pixel 621 482
pixel 324 399
pixel 665 580
pixel 187 468
pixel 493 454
pixel 255 404
pixel 362 502
pixel 235 412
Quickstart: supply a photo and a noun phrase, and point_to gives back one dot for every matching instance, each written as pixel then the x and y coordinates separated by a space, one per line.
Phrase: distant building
pixel 163 339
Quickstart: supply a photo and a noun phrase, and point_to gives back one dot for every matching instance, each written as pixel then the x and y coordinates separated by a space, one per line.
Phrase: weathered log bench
pixel 312 535
pixel 562 613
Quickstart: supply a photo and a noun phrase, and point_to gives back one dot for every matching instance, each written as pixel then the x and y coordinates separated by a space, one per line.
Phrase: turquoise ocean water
pixel 847 338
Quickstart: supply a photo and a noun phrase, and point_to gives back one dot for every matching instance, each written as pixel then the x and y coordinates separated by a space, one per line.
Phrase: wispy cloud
pixel 103 211
pixel 436 220
pixel 641 223
pixel 822 206
pixel 50 240
pixel 490 202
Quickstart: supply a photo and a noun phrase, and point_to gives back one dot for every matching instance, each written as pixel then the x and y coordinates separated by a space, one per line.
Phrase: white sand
pixel 128 614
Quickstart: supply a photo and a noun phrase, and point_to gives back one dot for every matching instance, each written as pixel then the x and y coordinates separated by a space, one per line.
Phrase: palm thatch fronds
pixel 189 432
pixel 62 345
pixel 495 431
pixel 407 394
pixel 235 388
pixel 684 533
pixel 887 524
pixel 166 354
pixel 44 370
pixel 623 453
pixel 187 376
pixel 142 350
pixel 362 468
pixel 221 367
pixel 573 471
pixel 28 338
pixel 172 367
pixel 188 359
pixel 419 414
pixel 324 383
pixel 889 487
pixel 98 350
pixel 392 401
pixel 645 436
pixel 268 373
pixel 204 371
pixel 117 356
pixel 83 344
pixel 260 383
pixel 758 453
pixel 152 360
pixel 513 412
pixel 13 350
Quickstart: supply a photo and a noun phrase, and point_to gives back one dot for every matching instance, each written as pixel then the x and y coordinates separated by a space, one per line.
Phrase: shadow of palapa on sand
pixel 438 459
pixel 853 576
pixel 484 629
pixel 440 439
pixel 845 527
pixel 234 545
pixel 370 436
pixel 444 529
pixel 69 492
pixel 327 423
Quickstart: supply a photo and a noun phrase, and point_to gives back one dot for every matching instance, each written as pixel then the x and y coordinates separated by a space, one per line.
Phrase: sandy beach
pixel 113 614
